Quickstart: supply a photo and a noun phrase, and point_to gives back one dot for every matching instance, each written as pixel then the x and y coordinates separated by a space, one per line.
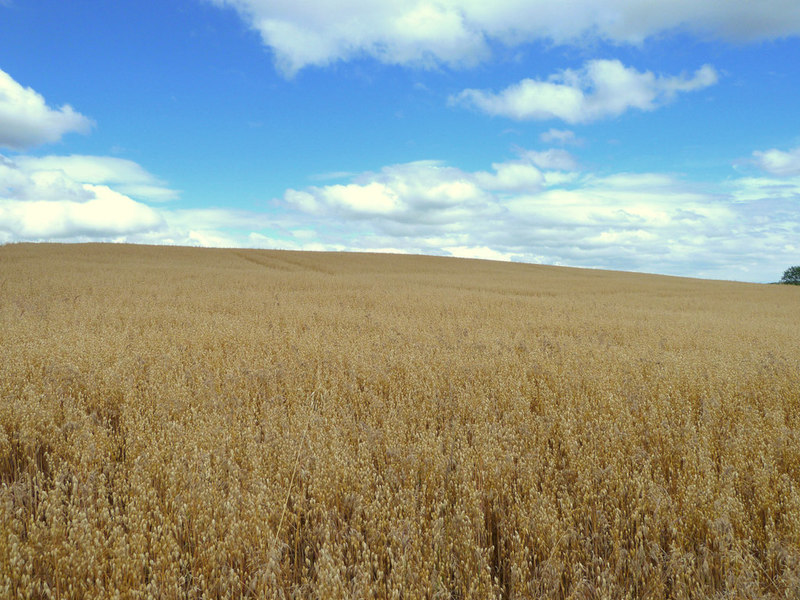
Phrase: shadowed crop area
pixel 194 423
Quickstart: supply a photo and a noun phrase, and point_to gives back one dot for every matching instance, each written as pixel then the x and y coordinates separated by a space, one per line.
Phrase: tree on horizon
pixel 791 276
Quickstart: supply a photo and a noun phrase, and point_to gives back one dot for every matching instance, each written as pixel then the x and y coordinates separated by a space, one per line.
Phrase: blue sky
pixel 622 134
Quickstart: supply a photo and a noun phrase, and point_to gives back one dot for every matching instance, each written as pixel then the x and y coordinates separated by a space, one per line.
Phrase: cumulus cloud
pixel 38 202
pixel 602 88
pixel 412 192
pixel 520 210
pixel 512 176
pixel 70 198
pixel 778 162
pixel 26 120
pixel 535 207
pixel 123 175
pixel 460 32
pixel 106 214
pixel 321 32
pixel 81 198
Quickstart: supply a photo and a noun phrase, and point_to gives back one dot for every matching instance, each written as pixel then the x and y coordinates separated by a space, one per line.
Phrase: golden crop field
pixel 193 423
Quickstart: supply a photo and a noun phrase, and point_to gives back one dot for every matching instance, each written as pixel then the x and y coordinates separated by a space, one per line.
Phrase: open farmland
pixel 187 423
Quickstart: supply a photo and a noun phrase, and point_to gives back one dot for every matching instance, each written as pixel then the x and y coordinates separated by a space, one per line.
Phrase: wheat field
pixel 198 423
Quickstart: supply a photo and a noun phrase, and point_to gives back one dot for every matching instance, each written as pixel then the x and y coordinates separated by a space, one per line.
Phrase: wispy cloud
pixel 331 175
pixel 563 137
pixel 779 162
pixel 601 89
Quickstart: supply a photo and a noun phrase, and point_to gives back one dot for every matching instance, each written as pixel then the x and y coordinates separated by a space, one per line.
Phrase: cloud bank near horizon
pixel 519 211
pixel 538 207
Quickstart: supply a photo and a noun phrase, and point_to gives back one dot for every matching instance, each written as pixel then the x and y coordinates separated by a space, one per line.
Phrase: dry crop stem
pixel 477 429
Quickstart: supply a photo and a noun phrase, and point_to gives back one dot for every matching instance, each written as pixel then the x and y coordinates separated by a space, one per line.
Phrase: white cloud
pixel 748 189
pixel 210 239
pixel 39 203
pixel 105 214
pixel 482 252
pixel 460 32
pixel 559 136
pixel 554 158
pixel 394 32
pixel 67 199
pixel 123 175
pixel 522 209
pixel 631 221
pixel 412 192
pixel 602 88
pixel 27 121
pixel 560 178
pixel 778 162
pixel 780 179
pixel 512 176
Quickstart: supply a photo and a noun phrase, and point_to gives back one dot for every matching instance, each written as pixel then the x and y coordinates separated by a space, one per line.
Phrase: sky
pixel 659 137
